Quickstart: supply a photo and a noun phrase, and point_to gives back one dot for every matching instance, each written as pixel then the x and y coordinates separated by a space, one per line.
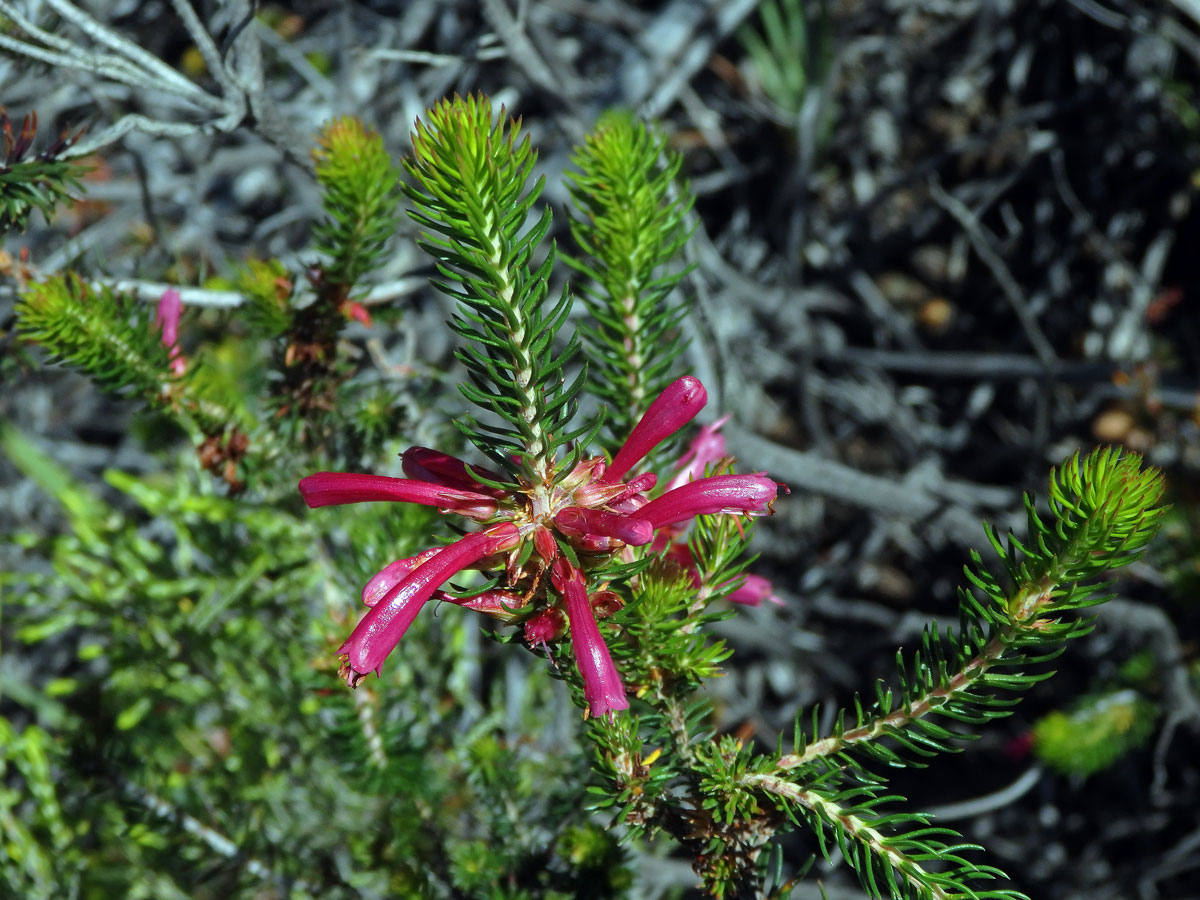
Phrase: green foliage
pixel 109 336
pixel 360 198
pixel 175 734
pixel 33 830
pixel 1102 514
pixel 269 290
pixel 42 182
pixel 630 229
pixel 788 53
pixel 472 195
pixel 1095 733
pixel 116 340
pixel 855 822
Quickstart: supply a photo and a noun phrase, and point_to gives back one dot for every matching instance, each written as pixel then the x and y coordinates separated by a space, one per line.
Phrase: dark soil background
pixel 967 250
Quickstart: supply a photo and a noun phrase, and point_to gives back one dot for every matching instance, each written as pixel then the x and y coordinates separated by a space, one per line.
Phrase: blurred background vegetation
pixel 937 248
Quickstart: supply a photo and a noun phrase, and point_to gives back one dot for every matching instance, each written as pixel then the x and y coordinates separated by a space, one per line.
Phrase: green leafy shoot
pixel 108 335
pixel 630 224
pixel 788 53
pixel 1103 512
pixel 472 196
pixel 270 292
pixel 360 199
pixel 117 341
pixel 41 182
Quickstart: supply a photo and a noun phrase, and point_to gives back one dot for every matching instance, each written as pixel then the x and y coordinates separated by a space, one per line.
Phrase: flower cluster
pixel 543 538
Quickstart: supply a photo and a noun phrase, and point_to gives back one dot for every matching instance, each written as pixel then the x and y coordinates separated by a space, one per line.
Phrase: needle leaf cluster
pixel 471 193
pixel 40 182
pixel 1103 510
pixel 630 224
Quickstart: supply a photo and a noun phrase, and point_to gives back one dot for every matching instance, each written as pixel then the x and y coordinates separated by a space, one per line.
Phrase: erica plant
pixel 581 529
pixel 588 517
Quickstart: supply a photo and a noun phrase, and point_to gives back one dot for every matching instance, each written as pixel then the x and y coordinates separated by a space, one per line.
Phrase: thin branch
pixel 970 809
pixel 990 258
pixel 856 828
pixel 904 716
pixel 152 291
pixel 151 64
pixel 205 44
pixel 130 65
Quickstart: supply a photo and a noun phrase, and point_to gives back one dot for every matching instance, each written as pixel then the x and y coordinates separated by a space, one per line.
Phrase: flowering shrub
pixel 585 535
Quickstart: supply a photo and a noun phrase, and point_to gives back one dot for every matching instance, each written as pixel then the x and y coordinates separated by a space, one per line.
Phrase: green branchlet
pixel 35 827
pixel 630 225
pixel 360 199
pixel 1103 512
pixel 304 317
pixel 109 336
pixel 790 50
pixel 472 196
pixel 41 182
pixel 269 291
pixel 923 863
pixel 116 341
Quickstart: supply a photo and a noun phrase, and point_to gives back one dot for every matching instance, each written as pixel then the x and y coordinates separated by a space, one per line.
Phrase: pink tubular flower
pixel 392 574
pixel 381 628
pixel 706 448
pixel 670 411
pixel 570 523
pixel 441 468
pixel 627 529
pixel 753 591
pixel 497 603
pixel 748 494
pixel 544 627
pixel 602 687
pixel 166 317
pixel 335 488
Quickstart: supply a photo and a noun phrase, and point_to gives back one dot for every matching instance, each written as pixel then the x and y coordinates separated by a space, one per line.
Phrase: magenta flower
pixel 335 488
pixel 594 509
pixel 602 687
pixel 166 317
pixel 544 627
pixel 391 575
pixel 628 529
pixel 381 628
pixel 670 411
pixel 737 494
pixel 753 591
pixel 432 465
pixel 707 448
